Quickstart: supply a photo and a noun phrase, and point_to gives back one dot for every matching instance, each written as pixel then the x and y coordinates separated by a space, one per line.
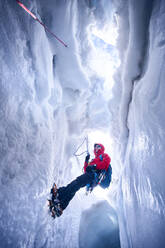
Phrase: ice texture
pixel 141 123
pixel 51 97
pixel 44 111
pixel 99 227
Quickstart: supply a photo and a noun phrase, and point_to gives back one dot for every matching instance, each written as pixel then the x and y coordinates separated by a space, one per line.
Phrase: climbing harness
pixel 103 179
pixel 35 18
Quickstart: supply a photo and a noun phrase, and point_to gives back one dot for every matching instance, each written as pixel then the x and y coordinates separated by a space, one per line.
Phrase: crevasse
pixel 50 98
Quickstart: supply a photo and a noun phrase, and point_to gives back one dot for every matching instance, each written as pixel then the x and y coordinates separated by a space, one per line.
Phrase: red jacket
pixel 102 160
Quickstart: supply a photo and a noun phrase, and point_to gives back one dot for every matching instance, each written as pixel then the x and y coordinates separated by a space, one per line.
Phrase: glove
pixel 91 168
pixel 87 158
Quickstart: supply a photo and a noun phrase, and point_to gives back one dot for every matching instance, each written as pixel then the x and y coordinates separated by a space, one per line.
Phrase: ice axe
pixel 35 18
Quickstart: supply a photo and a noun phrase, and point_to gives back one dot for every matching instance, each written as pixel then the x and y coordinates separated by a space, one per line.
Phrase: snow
pixel 107 85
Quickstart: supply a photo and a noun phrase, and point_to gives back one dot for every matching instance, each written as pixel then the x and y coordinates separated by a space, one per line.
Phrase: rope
pixel 77 155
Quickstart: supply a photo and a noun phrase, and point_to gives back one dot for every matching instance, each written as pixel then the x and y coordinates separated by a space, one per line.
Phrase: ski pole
pixel 35 18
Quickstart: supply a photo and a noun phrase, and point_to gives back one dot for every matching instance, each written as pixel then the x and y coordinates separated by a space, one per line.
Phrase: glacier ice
pixel 99 227
pixel 52 96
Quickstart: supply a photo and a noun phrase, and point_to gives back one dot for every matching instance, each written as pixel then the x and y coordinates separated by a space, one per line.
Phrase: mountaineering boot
pixel 55 209
pixel 54 203
pixel 54 191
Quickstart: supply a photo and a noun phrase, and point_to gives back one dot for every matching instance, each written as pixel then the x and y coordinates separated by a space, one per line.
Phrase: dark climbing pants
pixel 67 193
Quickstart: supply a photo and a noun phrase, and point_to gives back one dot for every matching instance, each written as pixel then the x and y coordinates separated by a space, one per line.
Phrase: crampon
pixel 54 203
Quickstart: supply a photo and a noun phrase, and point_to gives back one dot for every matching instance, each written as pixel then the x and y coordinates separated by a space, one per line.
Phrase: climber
pixel 62 196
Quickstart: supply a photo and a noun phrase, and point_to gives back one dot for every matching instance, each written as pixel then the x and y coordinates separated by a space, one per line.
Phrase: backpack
pixel 103 179
pixel 105 182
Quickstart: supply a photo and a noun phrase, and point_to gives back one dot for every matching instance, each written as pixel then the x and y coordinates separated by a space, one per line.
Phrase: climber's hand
pixel 87 158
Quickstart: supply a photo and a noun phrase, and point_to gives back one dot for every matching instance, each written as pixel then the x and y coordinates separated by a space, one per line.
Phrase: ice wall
pixel 44 109
pixel 141 124
pixel 26 127
pixel 49 96
pixel 99 227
